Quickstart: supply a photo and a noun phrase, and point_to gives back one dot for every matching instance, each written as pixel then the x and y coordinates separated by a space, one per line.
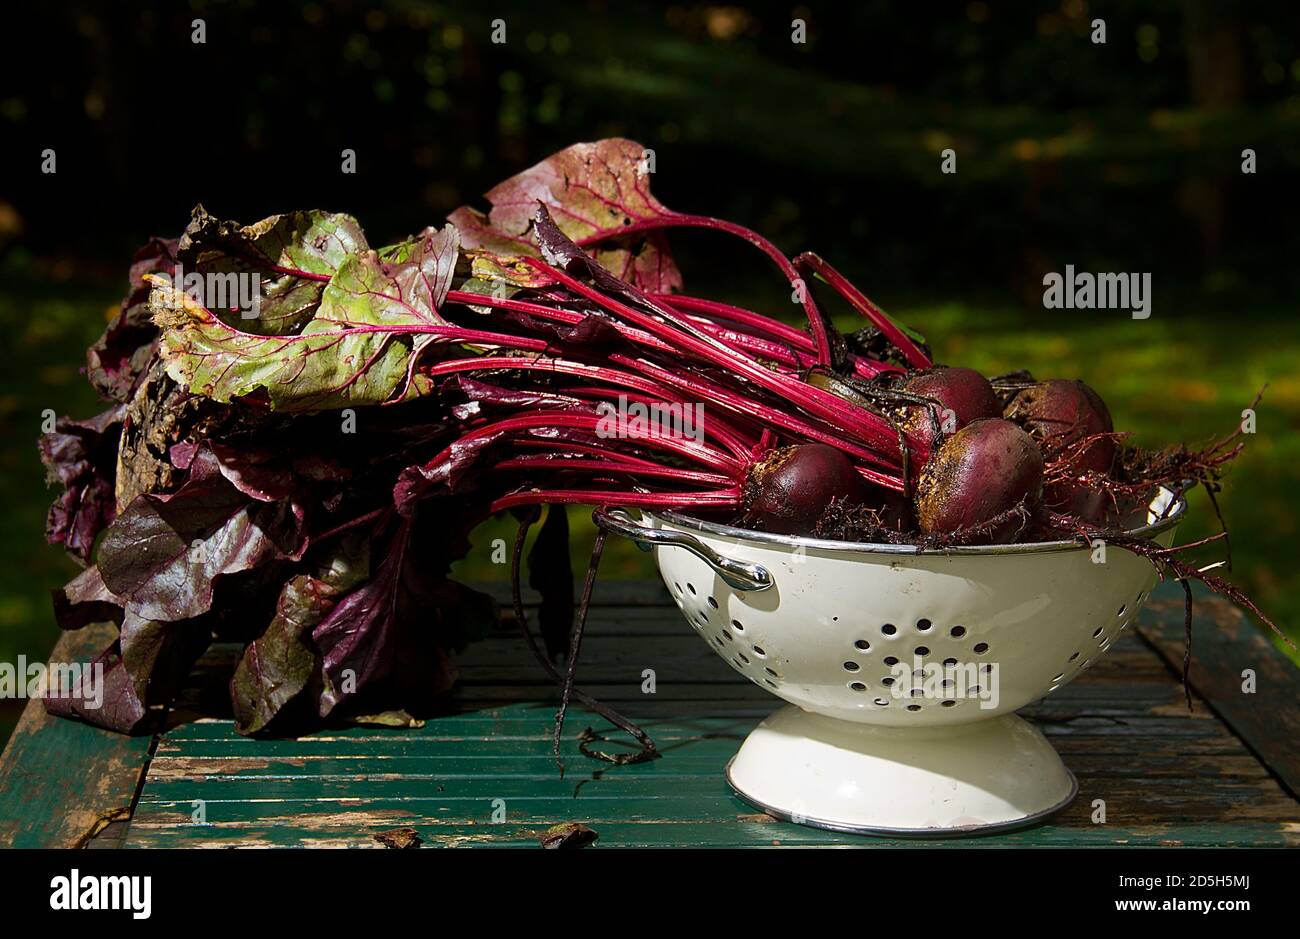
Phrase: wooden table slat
pixel 1217 776
pixel 61 782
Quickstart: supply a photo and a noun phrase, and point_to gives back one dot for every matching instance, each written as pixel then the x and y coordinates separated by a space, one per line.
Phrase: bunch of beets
pixel 301 482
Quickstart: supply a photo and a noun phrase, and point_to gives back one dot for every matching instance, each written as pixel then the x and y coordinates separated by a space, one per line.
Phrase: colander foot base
pixel 918 782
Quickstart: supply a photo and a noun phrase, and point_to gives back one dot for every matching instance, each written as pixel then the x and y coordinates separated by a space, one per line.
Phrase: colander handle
pixel 741 575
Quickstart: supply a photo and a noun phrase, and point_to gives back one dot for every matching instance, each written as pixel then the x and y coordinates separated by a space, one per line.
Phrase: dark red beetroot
pixel 963 391
pixel 1057 413
pixel 790 488
pixel 981 472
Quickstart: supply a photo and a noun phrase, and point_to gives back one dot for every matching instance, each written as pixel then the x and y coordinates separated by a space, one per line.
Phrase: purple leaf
pixel 128 686
pixel 120 356
pixel 354 638
pixel 164 552
pixel 277 666
pixel 85 600
pixel 594 190
pixel 82 455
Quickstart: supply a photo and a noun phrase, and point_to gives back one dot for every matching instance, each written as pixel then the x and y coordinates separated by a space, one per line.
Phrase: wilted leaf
pixel 594 190
pixel 354 638
pixel 82 456
pixel 313 241
pixel 358 349
pixel 119 357
pixel 385 719
pixel 163 553
pixel 277 666
pixel 400 838
pixel 127 687
pixel 85 600
pixel 567 835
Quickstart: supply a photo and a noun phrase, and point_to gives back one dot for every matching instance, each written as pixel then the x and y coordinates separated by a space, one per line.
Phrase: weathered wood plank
pixel 61 782
pixel 1225 645
pixel 748 830
pixel 1167 777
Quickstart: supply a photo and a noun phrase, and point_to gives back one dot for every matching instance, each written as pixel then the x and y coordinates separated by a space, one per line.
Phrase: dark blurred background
pixel 1123 156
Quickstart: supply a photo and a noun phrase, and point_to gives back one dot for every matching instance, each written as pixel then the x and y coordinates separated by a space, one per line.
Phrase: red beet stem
pixel 542 420
pixel 718 499
pixel 555 314
pixel 816 325
pixel 915 357
pixel 729 436
pixel 866 426
pixel 766 327
pixel 562 463
pixel 758 411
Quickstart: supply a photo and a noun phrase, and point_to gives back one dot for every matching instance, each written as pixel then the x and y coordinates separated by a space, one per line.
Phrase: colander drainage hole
pixel 950 663
pixel 981 647
pixel 1073 657
pixel 857 686
pixel 727 636
pixel 771 672
pixel 890 660
pixel 851 666
pixel 889 629
pixel 679 588
pixel 736 625
pixel 758 650
pixel 957 632
pixel 1096 632
pixel 691 587
pixel 862 645
pixel 1122 609
pixel 923 624
pixel 914 707
pixel 948 704
pixel 713 603
pixel 887 681
pixel 922 650
pixel 1058 677
pixel 770 682
pixel 883 702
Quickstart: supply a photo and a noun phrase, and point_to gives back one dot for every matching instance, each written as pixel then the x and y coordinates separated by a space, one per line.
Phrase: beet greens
pixel 300 482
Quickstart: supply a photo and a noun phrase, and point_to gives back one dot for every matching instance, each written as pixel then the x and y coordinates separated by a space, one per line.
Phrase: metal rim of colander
pixel 1169 520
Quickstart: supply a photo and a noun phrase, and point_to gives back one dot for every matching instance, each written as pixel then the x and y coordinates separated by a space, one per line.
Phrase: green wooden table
pixel 1226 774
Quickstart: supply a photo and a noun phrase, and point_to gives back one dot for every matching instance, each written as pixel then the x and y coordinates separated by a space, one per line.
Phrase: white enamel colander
pixel 903 667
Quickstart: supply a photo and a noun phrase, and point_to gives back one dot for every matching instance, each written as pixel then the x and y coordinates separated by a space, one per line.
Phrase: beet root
pixel 981 473
pixel 1058 413
pixel 963 391
pixel 788 490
